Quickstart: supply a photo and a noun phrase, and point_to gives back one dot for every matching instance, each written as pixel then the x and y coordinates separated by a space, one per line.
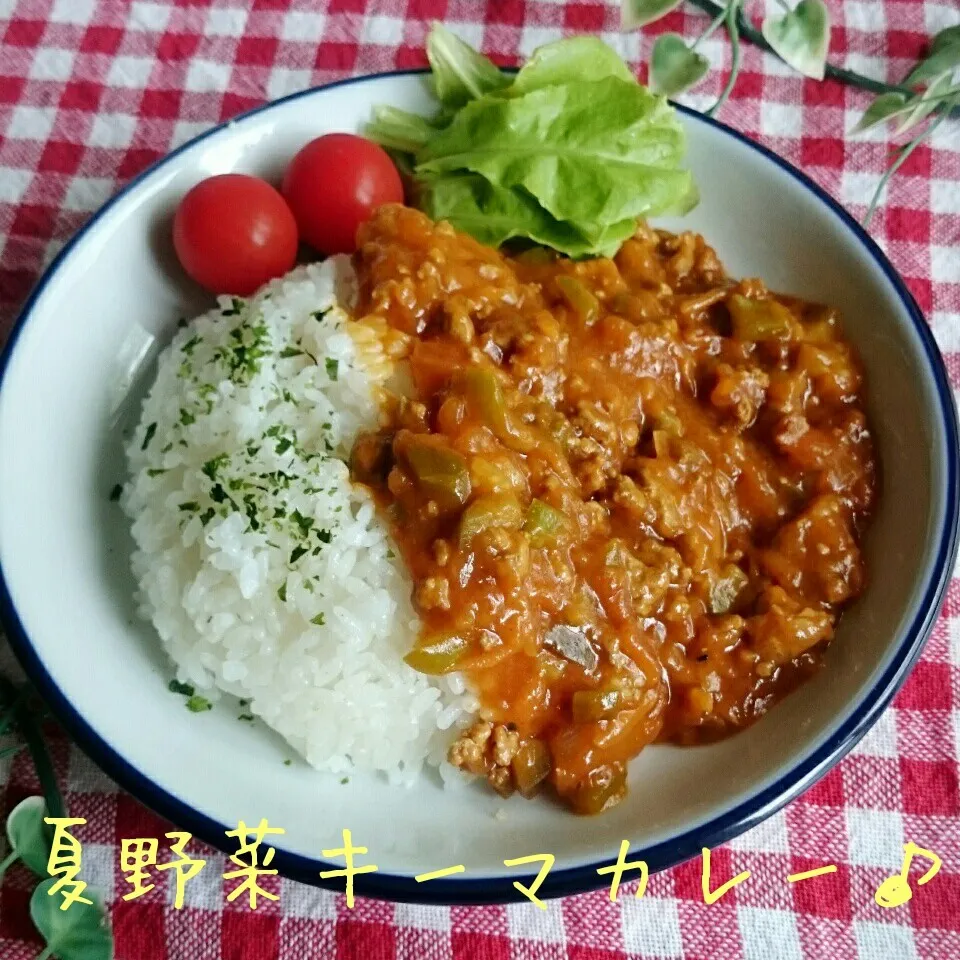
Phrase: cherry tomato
pixel 233 233
pixel 334 184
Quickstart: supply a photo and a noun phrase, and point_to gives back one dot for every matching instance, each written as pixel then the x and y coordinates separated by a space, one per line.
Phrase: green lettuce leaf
pixel 675 67
pixel 460 73
pixel 569 153
pixel 592 153
pixel 943 57
pixel 606 241
pixel 399 129
pixel 569 61
pixel 494 215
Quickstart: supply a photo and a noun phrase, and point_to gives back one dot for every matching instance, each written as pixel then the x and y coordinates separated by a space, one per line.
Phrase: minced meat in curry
pixel 629 492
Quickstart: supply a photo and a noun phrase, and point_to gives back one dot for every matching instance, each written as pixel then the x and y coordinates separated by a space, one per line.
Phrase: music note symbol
pixel 895 891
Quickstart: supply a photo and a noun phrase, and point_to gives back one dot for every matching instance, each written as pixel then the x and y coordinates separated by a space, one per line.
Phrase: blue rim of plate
pixel 668 853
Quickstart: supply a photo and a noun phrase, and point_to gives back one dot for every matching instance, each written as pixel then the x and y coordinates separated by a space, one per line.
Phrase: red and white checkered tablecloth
pixel 92 91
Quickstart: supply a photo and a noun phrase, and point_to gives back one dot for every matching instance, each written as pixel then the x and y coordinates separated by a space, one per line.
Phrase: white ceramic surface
pixel 73 381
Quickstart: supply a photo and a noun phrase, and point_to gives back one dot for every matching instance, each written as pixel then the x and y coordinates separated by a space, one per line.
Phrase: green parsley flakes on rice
pixel 267 574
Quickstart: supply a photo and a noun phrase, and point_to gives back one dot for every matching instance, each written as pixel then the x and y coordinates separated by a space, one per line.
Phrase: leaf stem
pixel 733 29
pixel 47 952
pixel 711 30
pixel 849 78
pixel 8 861
pixel 948 94
pixel 41 760
pixel 30 730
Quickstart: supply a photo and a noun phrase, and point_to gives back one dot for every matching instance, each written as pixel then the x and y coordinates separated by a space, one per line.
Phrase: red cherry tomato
pixel 233 233
pixel 334 184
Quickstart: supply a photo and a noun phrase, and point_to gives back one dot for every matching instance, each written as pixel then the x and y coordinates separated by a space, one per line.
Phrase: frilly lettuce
pixel 460 74
pixel 568 153
pixel 493 215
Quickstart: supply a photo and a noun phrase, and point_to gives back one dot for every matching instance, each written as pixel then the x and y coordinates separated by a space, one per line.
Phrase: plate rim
pixel 582 878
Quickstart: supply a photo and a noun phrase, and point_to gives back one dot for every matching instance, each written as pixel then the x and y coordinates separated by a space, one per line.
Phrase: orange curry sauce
pixel 629 492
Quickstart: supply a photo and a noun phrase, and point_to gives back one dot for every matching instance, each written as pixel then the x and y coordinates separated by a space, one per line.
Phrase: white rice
pixel 266 573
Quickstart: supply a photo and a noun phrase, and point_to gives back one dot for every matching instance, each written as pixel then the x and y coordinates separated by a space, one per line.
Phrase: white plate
pixel 72 380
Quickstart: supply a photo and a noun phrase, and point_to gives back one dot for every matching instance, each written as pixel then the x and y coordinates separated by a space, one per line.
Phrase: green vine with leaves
pixel 81 932
pixel 800 37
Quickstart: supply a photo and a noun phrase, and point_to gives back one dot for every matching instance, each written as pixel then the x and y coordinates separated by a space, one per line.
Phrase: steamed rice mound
pixel 266 572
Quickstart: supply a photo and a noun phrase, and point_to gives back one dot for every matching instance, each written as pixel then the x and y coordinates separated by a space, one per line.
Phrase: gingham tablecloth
pixel 92 92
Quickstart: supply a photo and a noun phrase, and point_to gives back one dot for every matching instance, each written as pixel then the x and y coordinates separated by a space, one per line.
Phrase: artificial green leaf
pixel 674 67
pixel 944 57
pixel 638 13
pixel 460 73
pixel 731 21
pixel 399 130
pixel 592 154
pixel 29 836
pixel 947 37
pixel 923 105
pixel 904 154
pixel 884 107
pixel 801 38
pixel 80 932
pixel 569 61
pixel 494 215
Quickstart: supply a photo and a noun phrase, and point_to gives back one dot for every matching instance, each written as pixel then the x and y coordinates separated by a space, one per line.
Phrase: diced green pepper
pixel 583 302
pixel 437 654
pixel 820 325
pixel 758 320
pixel 591 705
pixel 441 472
pixel 484 391
pixel 544 524
pixel 531 766
pixel 555 424
pixel 604 788
pixel 496 510
pixel 371 457
pixel 636 307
